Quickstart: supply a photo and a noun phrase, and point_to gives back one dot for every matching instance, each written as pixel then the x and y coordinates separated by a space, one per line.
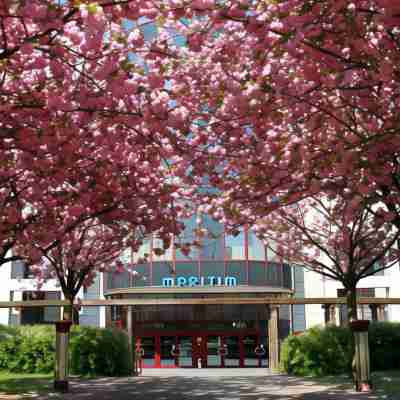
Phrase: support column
pixel 362 372
pixel 374 312
pixel 273 337
pixel 329 314
pixel 381 312
pixel 109 322
pixel 62 358
pixel 131 341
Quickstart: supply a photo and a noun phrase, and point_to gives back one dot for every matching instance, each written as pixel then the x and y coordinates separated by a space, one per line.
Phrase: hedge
pixel 93 351
pixel 100 352
pixel 27 349
pixel 327 350
pixel 384 341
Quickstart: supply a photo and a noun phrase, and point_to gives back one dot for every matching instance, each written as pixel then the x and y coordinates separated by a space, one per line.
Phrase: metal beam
pixel 205 300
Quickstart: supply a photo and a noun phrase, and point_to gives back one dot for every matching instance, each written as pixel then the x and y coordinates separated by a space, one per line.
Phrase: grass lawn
pixel 25 383
pixel 386 383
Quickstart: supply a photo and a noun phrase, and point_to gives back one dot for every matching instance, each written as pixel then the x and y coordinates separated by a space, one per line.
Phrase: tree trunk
pixel 67 313
pixel 70 313
pixel 351 301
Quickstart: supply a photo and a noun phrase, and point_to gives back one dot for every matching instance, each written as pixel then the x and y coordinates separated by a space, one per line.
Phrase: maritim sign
pixel 193 281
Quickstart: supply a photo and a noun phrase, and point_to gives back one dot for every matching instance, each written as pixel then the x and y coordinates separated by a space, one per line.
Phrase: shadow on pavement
pixel 268 387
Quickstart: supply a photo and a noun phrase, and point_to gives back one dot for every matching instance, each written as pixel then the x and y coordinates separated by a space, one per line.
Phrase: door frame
pixel 204 335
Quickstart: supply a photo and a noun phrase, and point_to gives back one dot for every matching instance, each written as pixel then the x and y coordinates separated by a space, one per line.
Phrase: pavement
pixel 206 384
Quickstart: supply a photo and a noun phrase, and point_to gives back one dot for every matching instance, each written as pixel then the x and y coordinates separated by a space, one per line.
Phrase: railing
pixel 277 300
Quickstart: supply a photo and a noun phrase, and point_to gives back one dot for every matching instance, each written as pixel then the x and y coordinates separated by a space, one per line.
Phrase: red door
pixel 199 351
pixel 202 350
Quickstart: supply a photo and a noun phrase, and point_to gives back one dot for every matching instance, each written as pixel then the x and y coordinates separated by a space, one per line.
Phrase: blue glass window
pixel 141 275
pixel 188 236
pixel 160 271
pixel 235 246
pixel 256 248
pixel 212 268
pixel 213 241
pixel 257 273
pixel 238 270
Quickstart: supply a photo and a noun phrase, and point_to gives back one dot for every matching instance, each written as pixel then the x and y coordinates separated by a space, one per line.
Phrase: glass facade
pixel 201 335
pixel 217 256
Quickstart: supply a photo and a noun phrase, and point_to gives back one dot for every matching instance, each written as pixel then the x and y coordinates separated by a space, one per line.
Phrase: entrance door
pixel 214 354
pixel 199 351
pixel 148 344
pixel 251 351
pixel 167 351
pixel 185 351
pixel 203 350
pixel 232 356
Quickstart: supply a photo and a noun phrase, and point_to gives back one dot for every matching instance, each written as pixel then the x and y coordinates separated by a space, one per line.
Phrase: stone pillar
pixel 62 356
pixel 329 314
pixel 129 330
pixel 361 362
pixel 374 312
pixel 273 337
pixel 381 312
pixel 108 316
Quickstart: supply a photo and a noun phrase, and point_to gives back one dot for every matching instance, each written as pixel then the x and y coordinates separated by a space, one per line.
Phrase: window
pixel 19 270
pixel 363 310
pixel 40 315
pixel 361 292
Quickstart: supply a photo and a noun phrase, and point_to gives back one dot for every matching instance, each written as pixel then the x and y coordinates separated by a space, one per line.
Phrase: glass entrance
pixel 148 345
pixel 232 356
pixel 203 351
pixel 214 354
pixel 185 351
pixel 251 351
pixel 167 351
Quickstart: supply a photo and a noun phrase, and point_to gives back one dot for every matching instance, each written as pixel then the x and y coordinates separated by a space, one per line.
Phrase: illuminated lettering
pixel 168 282
pixel 193 281
pixel 230 281
pixel 181 281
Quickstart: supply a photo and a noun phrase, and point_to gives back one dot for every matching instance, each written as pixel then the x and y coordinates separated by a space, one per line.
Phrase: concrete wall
pixel 92 316
pixel 18 286
pixel 386 285
pixel 299 311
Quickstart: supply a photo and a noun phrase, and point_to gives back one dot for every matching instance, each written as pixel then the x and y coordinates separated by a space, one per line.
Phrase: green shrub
pixel 6 331
pixel 97 351
pixel 318 351
pixel 384 343
pixel 327 351
pixel 93 351
pixel 28 349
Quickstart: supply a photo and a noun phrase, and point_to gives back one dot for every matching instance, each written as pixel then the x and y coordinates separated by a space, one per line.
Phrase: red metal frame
pixel 151 259
pixel 246 252
pixel 203 346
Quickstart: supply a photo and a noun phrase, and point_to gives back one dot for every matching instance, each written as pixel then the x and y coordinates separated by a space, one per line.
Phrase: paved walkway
pixel 206 384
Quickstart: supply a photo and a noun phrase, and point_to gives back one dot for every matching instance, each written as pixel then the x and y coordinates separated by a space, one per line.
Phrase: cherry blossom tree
pixel 11 220
pixel 97 196
pixel 84 128
pixel 293 98
pixel 333 237
pixel 76 258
